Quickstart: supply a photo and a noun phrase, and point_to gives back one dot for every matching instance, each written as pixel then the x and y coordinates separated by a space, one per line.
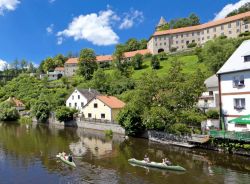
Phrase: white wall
pixel 96 112
pixel 228 100
pixel 73 99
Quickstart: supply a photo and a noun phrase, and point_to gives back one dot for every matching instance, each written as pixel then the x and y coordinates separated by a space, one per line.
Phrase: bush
pixel 108 133
pixel 162 56
pixel 179 129
pixel 65 114
pixel 148 55
pixel 155 63
pixel 137 61
pixel 25 120
pixel 8 112
pixel 173 49
pixel 212 114
pixel 244 34
pixel 192 45
pixel 41 111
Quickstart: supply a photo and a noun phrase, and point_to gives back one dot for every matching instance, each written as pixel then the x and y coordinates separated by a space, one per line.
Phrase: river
pixel 27 155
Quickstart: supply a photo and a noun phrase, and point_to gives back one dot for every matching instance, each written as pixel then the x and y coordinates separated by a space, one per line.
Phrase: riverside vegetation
pixel 160 91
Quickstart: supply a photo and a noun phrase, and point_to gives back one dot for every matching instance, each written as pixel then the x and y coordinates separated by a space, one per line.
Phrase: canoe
pixel 156 165
pixel 65 160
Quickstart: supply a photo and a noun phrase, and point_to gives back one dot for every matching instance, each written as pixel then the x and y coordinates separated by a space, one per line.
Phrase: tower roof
pixel 161 22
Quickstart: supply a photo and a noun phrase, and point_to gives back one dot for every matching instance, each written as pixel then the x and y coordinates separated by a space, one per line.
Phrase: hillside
pixel 190 65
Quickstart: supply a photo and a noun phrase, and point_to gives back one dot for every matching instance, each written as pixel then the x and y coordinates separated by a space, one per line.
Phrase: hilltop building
pixel 179 39
pixel 234 89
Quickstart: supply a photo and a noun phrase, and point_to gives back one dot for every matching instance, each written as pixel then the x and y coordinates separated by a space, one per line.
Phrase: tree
pixel 87 63
pixel 8 112
pixel 155 63
pixel 194 19
pixel 23 64
pixel 100 81
pixel 244 8
pixel 59 60
pixel 137 61
pixel 216 52
pixel 48 64
pixel 31 68
pixel 64 114
pixel 132 45
pixel 143 44
pixel 15 66
pixel 41 110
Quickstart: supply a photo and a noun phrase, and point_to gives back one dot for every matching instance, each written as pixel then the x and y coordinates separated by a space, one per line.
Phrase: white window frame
pixel 238 81
pixel 239 103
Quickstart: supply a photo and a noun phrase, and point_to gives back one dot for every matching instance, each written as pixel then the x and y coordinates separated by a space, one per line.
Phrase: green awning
pixel 241 120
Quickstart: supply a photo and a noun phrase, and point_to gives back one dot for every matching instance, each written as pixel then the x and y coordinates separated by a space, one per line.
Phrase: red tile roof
pixel 72 61
pixel 104 58
pixel 133 53
pixel 59 69
pixel 111 101
pixel 203 26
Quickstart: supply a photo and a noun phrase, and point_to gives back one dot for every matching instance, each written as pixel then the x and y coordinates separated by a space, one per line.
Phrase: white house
pixel 210 98
pixel 80 97
pixel 103 108
pixel 234 87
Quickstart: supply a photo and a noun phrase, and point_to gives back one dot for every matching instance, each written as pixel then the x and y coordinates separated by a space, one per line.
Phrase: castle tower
pixel 161 23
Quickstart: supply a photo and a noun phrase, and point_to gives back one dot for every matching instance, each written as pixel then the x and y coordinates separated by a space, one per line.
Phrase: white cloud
pixel 59 40
pixel 229 8
pixel 50 29
pixel 95 28
pixel 131 18
pixel 3 64
pixel 8 5
pixel 52 1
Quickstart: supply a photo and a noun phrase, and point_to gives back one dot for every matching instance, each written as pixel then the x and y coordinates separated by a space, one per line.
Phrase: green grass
pixel 190 65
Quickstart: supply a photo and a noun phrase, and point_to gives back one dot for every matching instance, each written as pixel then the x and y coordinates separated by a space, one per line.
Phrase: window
pixel 89 115
pixel 247 58
pixel 246 26
pixel 238 81
pixel 176 42
pixel 238 30
pixel 229 25
pixel 187 35
pixel 230 32
pixel 103 116
pixel 211 93
pixel 78 96
pixel 75 104
pixel 241 125
pixel 95 105
pixel 69 104
pixel 155 39
pixel 72 97
pixel 202 38
pixel 160 38
pixel 187 42
pixel 198 33
pixel 207 30
pixel 208 37
pixel 193 41
pixel 214 29
pixel 237 23
pixel 176 36
pixel 222 27
pixel 192 34
pixel 182 36
pixel 82 104
pixel 239 103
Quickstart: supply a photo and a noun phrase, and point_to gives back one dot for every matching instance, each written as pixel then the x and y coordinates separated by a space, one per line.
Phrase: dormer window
pixel 238 81
pixel 247 58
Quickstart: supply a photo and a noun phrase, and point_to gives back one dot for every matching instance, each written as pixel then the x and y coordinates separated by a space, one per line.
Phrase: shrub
pixel 25 120
pixel 163 56
pixel 137 61
pixel 41 110
pixel 155 63
pixel 179 129
pixel 148 55
pixel 212 114
pixel 65 114
pixel 192 45
pixel 173 49
pixel 8 112
pixel 244 34
pixel 108 133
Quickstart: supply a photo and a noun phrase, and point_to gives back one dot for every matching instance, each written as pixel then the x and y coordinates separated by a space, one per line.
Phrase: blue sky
pixel 36 29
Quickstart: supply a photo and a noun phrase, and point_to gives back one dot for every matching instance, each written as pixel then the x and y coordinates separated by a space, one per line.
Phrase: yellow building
pixel 103 108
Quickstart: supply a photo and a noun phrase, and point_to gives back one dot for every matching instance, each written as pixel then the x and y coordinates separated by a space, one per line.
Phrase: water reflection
pixel 27 154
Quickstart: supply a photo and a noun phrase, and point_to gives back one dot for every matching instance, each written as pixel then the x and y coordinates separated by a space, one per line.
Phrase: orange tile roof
pixel 104 58
pixel 133 53
pixel 72 61
pixel 111 101
pixel 59 69
pixel 203 26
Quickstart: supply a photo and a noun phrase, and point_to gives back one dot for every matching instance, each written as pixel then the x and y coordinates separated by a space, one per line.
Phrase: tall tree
pixel 23 64
pixel 137 61
pixel 87 63
pixel 49 64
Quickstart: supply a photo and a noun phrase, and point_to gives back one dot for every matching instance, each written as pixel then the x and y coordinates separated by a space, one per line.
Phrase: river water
pixel 27 155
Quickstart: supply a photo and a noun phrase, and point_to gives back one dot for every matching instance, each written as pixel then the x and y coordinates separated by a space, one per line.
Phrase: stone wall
pixel 116 128
pixel 163 136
